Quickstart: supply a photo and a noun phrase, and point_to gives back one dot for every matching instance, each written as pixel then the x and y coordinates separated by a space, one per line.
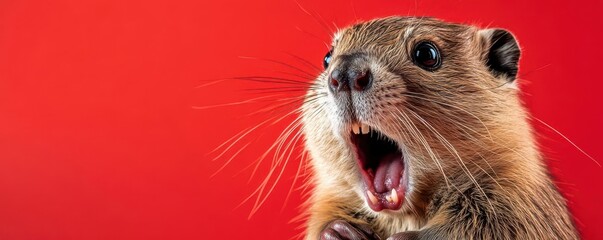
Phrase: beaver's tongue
pixel 384 187
pixel 382 166
pixel 388 173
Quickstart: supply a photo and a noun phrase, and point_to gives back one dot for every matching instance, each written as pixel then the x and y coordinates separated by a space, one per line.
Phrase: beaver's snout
pixel 351 72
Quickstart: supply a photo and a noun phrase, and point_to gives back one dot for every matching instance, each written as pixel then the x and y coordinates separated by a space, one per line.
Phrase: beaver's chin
pixel 381 165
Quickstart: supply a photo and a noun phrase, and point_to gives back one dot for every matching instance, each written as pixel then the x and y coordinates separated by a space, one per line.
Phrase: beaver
pixel 416 131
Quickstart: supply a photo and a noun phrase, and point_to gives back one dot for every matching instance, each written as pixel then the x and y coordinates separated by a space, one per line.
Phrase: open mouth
pixel 381 165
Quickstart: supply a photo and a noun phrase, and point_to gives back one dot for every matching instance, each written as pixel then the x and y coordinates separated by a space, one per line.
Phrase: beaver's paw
pixel 342 230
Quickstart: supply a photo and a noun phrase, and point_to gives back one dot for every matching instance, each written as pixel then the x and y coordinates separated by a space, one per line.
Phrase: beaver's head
pixel 403 99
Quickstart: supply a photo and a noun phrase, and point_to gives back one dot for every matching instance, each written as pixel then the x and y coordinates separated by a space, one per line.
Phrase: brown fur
pixel 469 150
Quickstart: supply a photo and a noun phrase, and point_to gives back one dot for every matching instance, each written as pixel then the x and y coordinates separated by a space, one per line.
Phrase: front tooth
pixel 356 128
pixel 388 198
pixel 371 197
pixel 365 128
pixel 394 196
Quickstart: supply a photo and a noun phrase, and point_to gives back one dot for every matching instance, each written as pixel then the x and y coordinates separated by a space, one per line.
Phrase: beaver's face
pixel 399 94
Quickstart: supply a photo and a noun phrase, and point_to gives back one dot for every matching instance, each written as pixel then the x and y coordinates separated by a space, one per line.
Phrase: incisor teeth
pixel 356 128
pixel 388 198
pixel 394 196
pixel 365 128
pixel 371 197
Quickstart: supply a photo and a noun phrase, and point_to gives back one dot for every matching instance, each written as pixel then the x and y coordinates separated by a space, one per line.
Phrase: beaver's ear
pixel 501 52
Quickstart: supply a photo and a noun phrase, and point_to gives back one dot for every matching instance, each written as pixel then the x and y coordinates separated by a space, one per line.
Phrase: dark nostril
pixel 336 79
pixel 363 80
pixel 334 83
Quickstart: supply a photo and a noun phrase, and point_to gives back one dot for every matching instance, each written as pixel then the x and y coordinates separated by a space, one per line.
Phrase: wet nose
pixel 346 79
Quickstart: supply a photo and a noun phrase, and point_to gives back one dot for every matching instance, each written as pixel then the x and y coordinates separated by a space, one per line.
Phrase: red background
pixel 99 137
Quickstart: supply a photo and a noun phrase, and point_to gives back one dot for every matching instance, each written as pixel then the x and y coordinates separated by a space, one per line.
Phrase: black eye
pixel 327 59
pixel 427 56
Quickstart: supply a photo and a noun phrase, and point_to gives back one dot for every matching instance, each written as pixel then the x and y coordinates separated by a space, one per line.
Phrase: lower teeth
pixel 372 197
